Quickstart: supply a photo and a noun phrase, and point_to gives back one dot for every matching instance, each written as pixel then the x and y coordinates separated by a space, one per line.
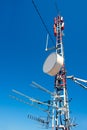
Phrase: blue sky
pixel 22 54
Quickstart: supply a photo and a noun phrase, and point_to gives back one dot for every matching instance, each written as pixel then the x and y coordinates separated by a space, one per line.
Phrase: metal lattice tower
pixel 60 119
pixel 57 108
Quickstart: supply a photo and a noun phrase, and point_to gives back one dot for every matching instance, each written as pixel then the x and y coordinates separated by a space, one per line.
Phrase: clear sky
pixel 22 54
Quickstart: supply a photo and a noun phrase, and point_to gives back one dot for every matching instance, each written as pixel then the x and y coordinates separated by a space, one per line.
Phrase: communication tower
pixel 55 66
pixel 58 108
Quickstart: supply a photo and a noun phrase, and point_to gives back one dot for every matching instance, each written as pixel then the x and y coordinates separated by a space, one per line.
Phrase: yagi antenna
pixel 31 99
pixel 25 102
pixel 38 119
pixel 42 88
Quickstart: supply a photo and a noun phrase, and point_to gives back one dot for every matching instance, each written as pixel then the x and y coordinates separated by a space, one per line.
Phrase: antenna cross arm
pixel 83 86
pixel 42 88
pixel 76 80
pixel 49 49
pixel 32 99
pixel 25 102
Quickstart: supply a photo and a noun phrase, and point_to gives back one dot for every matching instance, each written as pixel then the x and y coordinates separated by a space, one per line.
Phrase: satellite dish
pixel 53 64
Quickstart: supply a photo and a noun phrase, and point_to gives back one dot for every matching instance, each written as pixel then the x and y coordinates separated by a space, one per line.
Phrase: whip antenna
pixel 43 21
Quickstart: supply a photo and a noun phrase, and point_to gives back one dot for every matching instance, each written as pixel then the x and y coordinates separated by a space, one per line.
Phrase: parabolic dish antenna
pixel 53 64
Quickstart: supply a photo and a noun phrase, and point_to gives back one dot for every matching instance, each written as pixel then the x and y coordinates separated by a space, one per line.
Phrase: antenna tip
pixel 46 49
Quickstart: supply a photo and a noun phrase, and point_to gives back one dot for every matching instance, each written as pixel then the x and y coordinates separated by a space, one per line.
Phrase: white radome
pixel 53 64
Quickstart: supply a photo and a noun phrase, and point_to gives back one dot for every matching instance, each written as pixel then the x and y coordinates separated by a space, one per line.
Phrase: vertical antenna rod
pixel 43 21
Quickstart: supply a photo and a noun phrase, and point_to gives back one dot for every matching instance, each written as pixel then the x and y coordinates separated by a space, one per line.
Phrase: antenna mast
pixel 62 119
pixel 55 66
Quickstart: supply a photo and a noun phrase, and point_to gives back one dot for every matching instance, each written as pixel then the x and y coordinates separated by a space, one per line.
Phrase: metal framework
pixel 60 118
pixel 57 108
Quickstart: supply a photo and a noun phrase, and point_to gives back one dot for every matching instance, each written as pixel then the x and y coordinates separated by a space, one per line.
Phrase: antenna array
pixel 58 108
